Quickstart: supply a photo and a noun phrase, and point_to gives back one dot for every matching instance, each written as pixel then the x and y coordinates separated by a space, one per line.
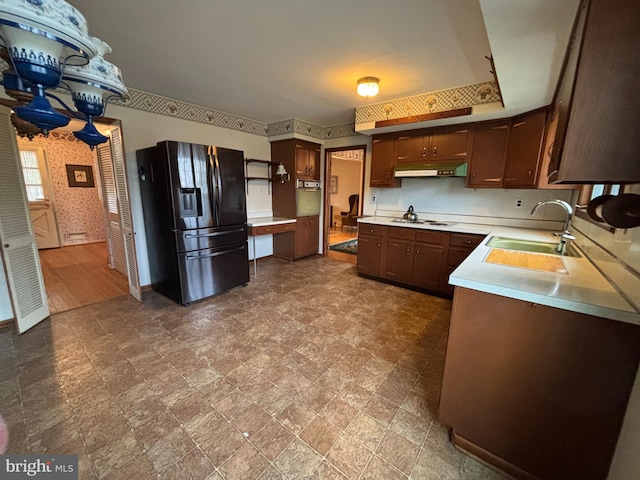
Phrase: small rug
pixel 350 246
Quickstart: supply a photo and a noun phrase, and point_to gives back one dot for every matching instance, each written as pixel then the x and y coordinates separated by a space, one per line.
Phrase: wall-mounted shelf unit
pixel 266 178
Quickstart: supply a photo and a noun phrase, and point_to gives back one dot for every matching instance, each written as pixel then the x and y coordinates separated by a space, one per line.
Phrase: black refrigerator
pixel 195 216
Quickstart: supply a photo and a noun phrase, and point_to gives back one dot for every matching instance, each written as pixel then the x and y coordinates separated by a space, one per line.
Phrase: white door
pixel 120 234
pixel 39 196
pixel 126 220
pixel 115 243
pixel 19 249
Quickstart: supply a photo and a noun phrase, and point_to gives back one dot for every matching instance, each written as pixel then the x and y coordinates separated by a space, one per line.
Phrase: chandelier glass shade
pixel 48 46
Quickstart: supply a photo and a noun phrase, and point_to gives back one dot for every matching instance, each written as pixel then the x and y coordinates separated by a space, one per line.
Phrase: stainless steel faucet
pixel 565 235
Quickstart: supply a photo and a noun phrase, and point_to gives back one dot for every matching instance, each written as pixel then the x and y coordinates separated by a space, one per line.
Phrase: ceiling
pixel 284 59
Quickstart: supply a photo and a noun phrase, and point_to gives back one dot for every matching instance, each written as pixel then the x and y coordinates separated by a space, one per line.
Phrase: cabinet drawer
pixel 284 227
pixel 402 233
pixel 271 229
pixel 370 229
pixel 428 236
pixel 461 240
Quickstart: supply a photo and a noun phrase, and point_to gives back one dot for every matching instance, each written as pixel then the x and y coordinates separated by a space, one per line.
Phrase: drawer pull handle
pixel 468 242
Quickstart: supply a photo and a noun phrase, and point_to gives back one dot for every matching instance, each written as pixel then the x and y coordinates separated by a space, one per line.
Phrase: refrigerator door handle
pixel 218 184
pixel 210 174
pixel 215 234
pixel 216 254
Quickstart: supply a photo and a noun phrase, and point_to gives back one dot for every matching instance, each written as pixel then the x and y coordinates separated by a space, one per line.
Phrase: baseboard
pixel 7 323
pixel 490 460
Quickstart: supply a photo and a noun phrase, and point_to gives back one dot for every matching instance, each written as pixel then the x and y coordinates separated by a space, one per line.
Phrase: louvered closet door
pixel 117 256
pixel 126 222
pixel 19 249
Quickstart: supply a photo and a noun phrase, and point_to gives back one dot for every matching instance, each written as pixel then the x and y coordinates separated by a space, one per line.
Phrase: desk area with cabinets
pixel 267 226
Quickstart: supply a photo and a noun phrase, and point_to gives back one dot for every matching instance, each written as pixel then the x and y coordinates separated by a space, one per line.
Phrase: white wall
pixel 448 196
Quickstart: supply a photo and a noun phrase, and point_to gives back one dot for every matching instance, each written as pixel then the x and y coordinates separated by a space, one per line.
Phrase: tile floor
pixel 308 372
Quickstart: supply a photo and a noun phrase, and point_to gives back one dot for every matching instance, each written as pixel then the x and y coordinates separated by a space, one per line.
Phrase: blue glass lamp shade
pixel 90 135
pixel 42 114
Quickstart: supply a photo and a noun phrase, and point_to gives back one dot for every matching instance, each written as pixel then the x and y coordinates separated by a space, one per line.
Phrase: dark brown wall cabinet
pixel 486 162
pixel 382 162
pixel 523 150
pixel 307 162
pixel 507 153
pixel 412 257
pixel 302 161
pixel 432 145
pixel 504 153
pixel 598 100
pixel 538 392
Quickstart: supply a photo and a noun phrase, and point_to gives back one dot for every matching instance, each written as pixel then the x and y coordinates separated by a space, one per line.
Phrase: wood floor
pixel 336 236
pixel 79 275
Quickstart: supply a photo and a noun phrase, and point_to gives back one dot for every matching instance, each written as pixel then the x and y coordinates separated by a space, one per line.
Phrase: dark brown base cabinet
pixel 371 246
pixel 535 391
pixel 412 257
pixel 307 233
pixel 303 242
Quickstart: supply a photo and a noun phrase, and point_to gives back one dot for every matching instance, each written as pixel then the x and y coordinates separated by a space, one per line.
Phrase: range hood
pixel 440 169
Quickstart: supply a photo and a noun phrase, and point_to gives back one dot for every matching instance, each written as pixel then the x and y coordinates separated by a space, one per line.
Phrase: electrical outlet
pixel 518 203
pixel 374 198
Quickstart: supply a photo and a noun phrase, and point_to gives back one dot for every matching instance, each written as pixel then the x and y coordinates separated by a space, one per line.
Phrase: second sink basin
pixel 530 246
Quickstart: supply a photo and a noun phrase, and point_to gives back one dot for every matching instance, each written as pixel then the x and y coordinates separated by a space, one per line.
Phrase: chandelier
pixel 47 46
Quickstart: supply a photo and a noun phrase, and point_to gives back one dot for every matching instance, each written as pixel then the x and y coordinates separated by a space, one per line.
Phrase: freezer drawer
pixel 208 272
pixel 190 240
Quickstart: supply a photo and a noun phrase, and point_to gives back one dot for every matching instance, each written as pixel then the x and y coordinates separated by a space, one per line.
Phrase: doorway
pixel 343 200
pixel 65 193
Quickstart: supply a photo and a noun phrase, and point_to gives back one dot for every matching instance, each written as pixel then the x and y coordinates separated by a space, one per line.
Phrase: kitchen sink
pixel 530 246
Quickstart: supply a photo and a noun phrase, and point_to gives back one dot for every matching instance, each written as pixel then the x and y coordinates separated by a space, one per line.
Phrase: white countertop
pixel 266 221
pixel 584 289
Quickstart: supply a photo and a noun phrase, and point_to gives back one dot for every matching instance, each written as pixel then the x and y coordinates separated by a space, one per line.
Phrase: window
pixel 32 177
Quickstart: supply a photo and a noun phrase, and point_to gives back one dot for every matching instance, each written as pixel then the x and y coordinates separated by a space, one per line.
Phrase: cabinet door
pixel 412 148
pixel 486 163
pixel 382 163
pixel 399 260
pixel 314 164
pixel 314 235
pixel 541 369
pixel 523 150
pixel 603 124
pixel 303 169
pixel 448 144
pixel 564 92
pixel 302 237
pixel 427 265
pixel 370 250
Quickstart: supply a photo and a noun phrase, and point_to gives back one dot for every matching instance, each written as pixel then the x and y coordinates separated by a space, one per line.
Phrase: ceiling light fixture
pixel 48 46
pixel 368 86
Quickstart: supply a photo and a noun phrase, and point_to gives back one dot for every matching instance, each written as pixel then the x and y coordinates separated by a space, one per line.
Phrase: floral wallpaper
pixel 79 210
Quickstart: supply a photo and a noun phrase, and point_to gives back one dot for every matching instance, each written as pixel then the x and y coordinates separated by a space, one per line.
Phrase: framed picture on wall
pixel 80 175
pixel 333 185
